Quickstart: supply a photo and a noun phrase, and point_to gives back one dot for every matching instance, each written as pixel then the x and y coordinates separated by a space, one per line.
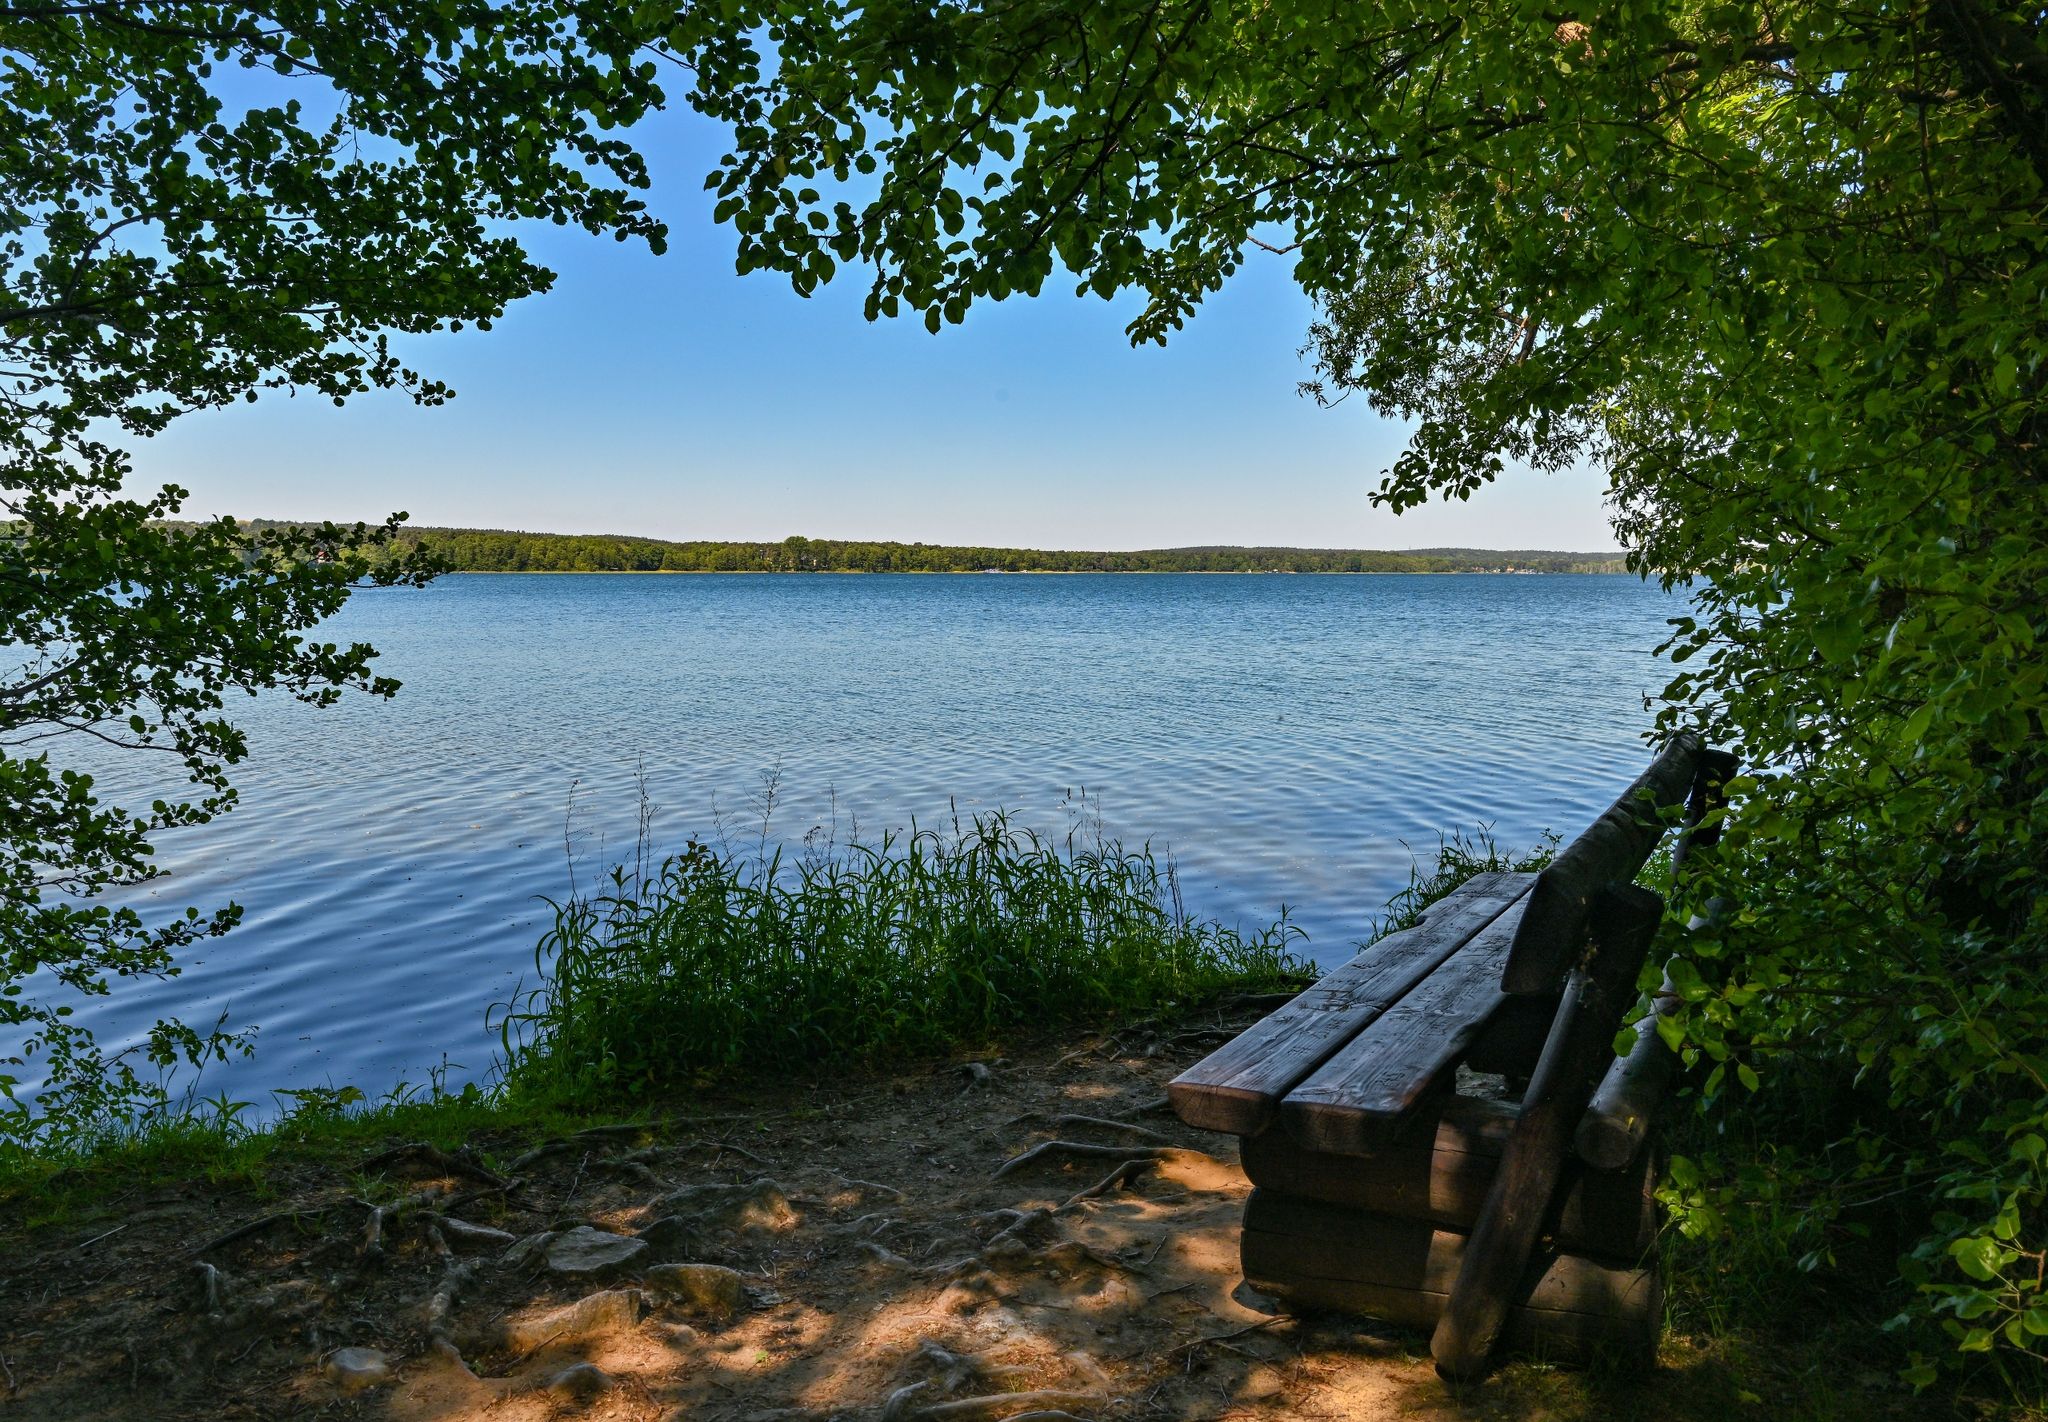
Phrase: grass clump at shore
pixel 924 942
pixel 1459 857
pixel 711 964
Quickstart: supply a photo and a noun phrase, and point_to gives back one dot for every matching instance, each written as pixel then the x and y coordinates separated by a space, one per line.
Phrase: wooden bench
pixel 1382 1190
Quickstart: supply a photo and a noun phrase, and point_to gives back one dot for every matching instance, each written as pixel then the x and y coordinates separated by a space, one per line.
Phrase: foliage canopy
pixel 1778 267
pixel 199 202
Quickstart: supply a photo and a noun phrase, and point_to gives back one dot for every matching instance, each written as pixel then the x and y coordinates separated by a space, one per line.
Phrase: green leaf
pixel 1977 1256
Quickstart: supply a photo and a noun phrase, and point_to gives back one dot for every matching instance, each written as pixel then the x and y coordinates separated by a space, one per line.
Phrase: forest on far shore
pixel 484 550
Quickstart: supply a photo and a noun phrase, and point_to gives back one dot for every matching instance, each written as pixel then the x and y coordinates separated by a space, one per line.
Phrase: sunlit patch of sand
pixel 881 1274
pixel 1128 1303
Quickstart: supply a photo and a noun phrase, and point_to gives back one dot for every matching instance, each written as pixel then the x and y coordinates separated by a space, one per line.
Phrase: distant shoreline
pixel 1032 573
pixel 501 550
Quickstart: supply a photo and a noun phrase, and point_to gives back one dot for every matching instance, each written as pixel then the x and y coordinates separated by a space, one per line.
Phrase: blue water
pixel 1288 740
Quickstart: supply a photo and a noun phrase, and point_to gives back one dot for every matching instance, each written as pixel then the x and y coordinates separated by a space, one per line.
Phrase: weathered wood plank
pixel 1238 1087
pixel 1609 852
pixel 1401 1271
pixel 1623 921
pixel 1354 1103
pixel 1625 1104
pixel 1445 1181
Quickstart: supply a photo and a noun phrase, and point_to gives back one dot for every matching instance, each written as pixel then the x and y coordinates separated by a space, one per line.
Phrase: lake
pixel 1288 740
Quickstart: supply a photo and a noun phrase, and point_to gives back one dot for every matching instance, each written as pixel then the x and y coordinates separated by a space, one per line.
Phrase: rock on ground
pixel 354 1369
pixel 758 1205
pixel 581 1382
pixel 612 1311
pixel 586 1253
pixel 706 1288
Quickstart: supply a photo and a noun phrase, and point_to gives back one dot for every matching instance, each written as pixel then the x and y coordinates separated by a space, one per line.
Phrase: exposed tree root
pixel 372 1246
pixel 470 1197
pixel 886 1257
pixel 890 1190
pixel 1084 1149
pixel 1218 1339
pixel 1022 1223
pixel 463 1232
pixel 1003 1405
pixel 622 1128
pixel 1100 1123
pixel 1200 1037
pixel 634 1170
pixel 1122 1175
pixel 898 1402
pixel 974 1308
pixel 956 1370
pixel 438 1159
pixel 440 1312
pixel 257 1226
pixel 718 1148
pixel 210 1289
pixel 577 1140
pixel 1012 1254
pixel 538 1154
pixel 868 1225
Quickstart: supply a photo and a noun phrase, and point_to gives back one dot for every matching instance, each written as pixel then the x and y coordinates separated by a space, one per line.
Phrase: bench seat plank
pixel 1352 1103
pixel 1238 1087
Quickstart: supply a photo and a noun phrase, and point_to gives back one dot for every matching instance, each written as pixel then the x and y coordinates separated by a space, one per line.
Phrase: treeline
pixel 502 551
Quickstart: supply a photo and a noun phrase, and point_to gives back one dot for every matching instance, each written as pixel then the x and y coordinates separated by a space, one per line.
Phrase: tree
pixel 1778 268
pixel 202 202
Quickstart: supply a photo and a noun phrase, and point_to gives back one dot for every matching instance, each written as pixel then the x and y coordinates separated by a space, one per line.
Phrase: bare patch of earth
pixel 906 1249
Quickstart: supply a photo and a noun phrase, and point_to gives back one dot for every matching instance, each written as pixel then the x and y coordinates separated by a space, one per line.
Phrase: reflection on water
pixel 1287 739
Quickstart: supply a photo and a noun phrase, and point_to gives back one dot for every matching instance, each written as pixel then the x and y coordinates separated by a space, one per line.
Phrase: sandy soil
pixel 889 1269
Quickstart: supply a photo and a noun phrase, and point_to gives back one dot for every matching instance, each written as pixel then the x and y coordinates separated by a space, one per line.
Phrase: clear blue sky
pixel 667 396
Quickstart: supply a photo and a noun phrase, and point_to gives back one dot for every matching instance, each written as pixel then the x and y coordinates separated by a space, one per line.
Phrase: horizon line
pixel 1440 548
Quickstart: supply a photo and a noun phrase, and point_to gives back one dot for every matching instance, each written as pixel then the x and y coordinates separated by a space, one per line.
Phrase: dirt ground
pixel 886 1251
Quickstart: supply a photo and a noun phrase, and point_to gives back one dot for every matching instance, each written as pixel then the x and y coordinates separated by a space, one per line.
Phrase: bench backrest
pixel 1613 850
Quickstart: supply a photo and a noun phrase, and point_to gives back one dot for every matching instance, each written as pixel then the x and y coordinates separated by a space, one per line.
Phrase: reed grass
pixel 1459 856
pixel 923 942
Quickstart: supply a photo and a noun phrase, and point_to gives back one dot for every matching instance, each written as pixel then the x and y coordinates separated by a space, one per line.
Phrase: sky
pixel 670 397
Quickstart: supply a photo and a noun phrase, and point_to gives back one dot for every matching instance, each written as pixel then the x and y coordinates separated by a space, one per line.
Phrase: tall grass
pixel 1459 856
pixel 921 942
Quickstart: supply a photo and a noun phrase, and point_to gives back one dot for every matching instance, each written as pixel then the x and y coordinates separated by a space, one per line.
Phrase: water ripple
pixel 1288 740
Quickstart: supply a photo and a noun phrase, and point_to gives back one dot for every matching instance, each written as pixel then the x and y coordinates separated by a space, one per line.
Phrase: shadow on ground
pixel 872 1257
